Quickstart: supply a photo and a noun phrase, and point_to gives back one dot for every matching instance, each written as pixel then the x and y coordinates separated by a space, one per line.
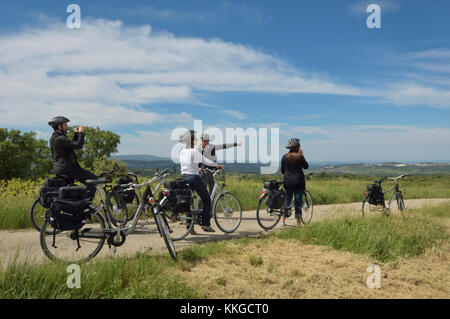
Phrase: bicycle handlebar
pixel 102 174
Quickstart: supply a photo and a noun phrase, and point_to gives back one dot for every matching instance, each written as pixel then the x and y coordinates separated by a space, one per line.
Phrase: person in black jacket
pixel 64 158
pixel 292 165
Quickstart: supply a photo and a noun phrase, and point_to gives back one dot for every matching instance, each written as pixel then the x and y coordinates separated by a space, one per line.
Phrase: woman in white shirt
pixel 189 160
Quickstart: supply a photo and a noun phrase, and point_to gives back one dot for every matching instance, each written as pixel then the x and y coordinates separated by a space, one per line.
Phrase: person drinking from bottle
pixel 292 165
pixel 190 158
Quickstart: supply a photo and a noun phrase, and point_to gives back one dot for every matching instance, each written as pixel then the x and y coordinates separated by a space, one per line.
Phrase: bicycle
pixel 38 212
pixel 226 210
pixel 368 205
pixel 99 228
pixel 268 217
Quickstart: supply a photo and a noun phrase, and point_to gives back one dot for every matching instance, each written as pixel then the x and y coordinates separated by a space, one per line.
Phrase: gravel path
pixel 24 244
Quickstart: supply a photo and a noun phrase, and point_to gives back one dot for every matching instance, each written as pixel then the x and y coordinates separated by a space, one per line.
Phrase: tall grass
pixel 383 238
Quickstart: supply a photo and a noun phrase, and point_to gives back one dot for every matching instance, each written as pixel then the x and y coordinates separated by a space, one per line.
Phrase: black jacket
pixel 64 158
pixel 292 171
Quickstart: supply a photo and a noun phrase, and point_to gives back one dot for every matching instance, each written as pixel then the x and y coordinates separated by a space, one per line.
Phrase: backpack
pixel 376 196
pixel 275 199
pixel 124 180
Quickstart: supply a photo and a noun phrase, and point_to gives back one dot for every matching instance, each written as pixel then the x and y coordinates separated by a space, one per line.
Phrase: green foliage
pixel 99 144
pixel 22 155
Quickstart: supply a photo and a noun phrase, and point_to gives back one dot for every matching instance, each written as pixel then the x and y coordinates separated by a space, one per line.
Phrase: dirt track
pixel 25 243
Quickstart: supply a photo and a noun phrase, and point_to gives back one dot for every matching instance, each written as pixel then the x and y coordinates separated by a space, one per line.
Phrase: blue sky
pixel 313 69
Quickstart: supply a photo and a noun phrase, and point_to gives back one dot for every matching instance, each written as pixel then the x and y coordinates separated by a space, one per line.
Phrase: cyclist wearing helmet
pixel 209 151
pixel 189 160
pixel 64 158
pixel 292 165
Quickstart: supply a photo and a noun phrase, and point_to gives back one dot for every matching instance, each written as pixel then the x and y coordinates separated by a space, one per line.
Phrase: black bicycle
pixel 374 197
pixel 75 246
pixel 271 205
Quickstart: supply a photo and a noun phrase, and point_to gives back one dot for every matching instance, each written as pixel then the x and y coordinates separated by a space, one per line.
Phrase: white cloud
pixel 236 114
pixel 109 71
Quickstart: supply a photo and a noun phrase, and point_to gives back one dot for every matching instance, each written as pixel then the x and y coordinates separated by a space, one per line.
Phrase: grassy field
pixel 16 196
pixel 325 260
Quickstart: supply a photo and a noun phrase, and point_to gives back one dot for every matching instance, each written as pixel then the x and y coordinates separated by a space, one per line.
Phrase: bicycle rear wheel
pixel 307 207
pixel 227 212
pixel 65 247
pixel 37 214
pixel 267 217
pixel 368 209
pixel 163 229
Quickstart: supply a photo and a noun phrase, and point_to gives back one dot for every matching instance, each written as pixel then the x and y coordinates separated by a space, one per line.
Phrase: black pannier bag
pixel 73 193
pixel 376 196
pixel 124 180
pixel 177 184
pixel 50 191
pixel 69 214
pixel 179 196
pixel 125 193
pixel 275 199
pixel 179 200
pixel 271 185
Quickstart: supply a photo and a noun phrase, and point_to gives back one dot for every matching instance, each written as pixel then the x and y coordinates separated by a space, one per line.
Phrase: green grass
pixel 155 276
pixel 385 239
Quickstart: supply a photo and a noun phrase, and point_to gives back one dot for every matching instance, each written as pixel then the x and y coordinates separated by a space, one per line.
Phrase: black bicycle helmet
pixel 57 120
pixel 293 142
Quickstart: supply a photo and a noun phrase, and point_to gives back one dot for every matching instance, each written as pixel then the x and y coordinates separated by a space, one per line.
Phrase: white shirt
pixel 189 160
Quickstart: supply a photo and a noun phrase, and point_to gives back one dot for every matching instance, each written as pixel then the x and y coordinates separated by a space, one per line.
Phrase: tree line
pixel 22 155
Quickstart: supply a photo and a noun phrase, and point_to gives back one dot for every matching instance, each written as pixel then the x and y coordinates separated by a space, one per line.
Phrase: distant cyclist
pixel 209 151
pixel 64 158
pixel 292 165
pixel 189 160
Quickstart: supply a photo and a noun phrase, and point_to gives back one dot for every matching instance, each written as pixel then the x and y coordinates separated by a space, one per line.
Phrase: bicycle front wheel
pixel 64 246
pixel 267 217
pixel 227 212
pixel 180 224
pixel 400 203
pixel 164 231
pixel 307 208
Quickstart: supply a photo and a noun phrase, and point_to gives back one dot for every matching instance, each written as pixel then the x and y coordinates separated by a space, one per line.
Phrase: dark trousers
pixel 197 184
pixel 297 200
pixel 208 179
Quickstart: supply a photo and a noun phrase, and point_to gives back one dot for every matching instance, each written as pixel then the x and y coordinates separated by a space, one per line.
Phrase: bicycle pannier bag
pixel 271 185
pixel 47 195
pixel 376 196
pixel 69 214
pixel 180 200
pixel 275 199
pixel 124 180
pixel 125 193
pixel 177 184
pixel 73 193
pixel 55 182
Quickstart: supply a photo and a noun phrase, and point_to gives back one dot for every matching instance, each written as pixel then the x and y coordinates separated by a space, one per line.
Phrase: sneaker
pixel 282 224
pixel 208 229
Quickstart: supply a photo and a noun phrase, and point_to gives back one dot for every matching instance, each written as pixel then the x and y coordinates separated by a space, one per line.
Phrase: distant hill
pixel 151 162
pixel 390 168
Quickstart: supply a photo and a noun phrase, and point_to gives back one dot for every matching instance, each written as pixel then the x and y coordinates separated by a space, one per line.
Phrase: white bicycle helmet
pixel 293 142
pixel 187 137
pixel 205 136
